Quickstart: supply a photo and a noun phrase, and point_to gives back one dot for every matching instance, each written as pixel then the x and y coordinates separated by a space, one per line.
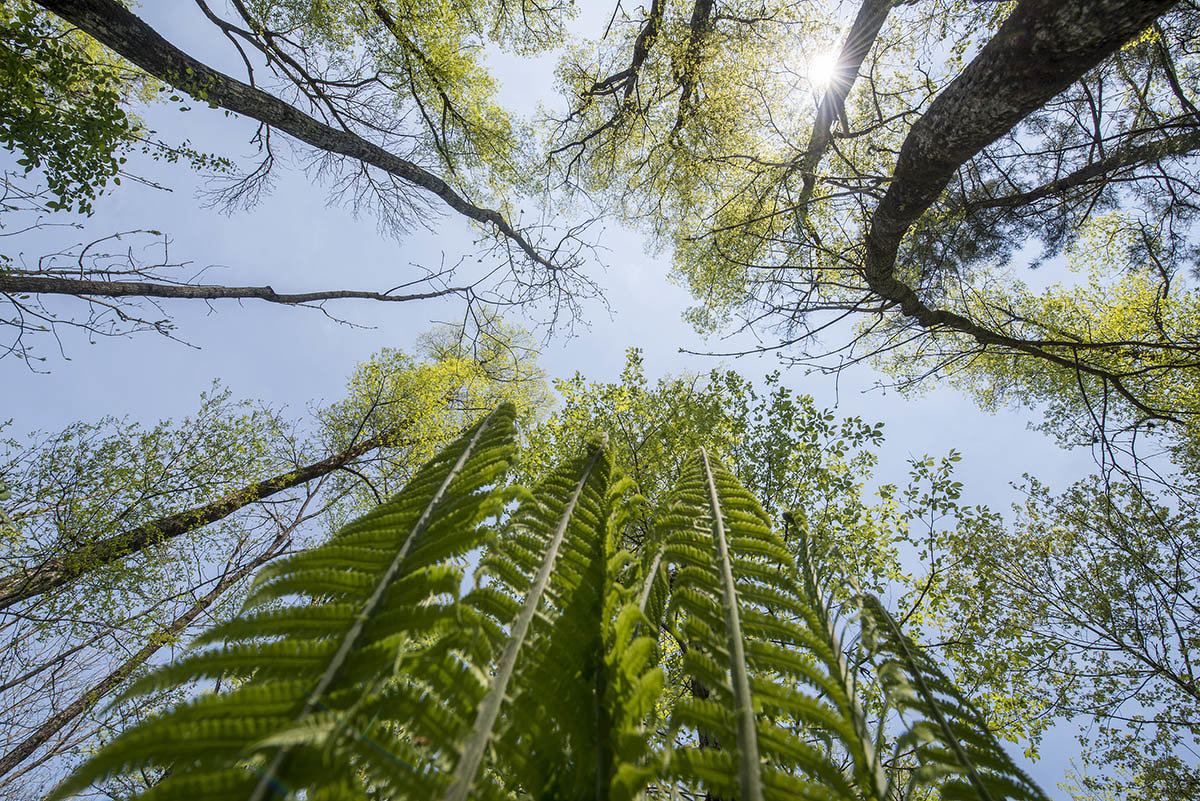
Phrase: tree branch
pixel 114 679
pixel 1043 47
pixel 859 40
pixel 16 283
pixel 1122 159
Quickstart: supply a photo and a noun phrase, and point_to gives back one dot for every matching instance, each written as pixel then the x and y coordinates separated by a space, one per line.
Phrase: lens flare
pixel 822 68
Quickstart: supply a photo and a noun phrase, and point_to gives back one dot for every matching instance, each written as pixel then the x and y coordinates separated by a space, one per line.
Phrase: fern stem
pixel 648 586
pixel 749 779
pixel 350 642
pixel 876 784
pixel 489 708
pixel 914 670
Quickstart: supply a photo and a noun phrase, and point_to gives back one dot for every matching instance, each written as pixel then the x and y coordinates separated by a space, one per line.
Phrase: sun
pixel 822 67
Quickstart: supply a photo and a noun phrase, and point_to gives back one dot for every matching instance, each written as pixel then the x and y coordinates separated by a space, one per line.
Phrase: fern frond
pixel 754 672
pixel 957 750
pixel 305 665
pixel 823 623
pixel 556 513
pixel 355 671
pixel 748 735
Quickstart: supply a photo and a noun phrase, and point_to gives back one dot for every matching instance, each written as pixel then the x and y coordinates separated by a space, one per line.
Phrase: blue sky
pixel 290 357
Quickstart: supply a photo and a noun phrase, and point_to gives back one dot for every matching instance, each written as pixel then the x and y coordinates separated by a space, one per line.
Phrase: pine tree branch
pixel 1123 159
pixel 1043 47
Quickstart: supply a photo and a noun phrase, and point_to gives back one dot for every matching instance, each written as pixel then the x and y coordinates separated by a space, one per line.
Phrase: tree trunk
pixel 1040 50
pixel 116 27
pixel 56 572
pixel 114 679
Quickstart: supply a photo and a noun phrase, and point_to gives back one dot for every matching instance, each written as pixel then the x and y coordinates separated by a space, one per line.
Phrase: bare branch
pixel 16 283
pixel 116 677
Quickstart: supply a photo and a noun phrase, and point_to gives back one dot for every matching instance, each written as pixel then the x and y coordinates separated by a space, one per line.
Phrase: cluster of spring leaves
pixel 358 669
pixel 691 119
pixel 430 395
pixel 429 56
pixel 1115 288
pixel 91 481
pixel 62 106
pixel 68 112
pixel 1085 601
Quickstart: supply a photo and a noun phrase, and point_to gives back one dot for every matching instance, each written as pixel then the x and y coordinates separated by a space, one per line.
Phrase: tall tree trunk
pixel 116 27
pixel 114 679
pixel 1041 49
pixel 56 572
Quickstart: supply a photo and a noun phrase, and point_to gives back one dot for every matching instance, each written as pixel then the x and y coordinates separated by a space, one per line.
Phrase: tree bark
pixel 114 679
pixel 1040 50
pixel 56 572
pixel 699 26
pixel 48 285
pixel 1043 47
pixel 116 27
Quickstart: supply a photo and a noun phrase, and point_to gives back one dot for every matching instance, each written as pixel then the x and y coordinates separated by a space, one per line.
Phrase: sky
pixel 294 241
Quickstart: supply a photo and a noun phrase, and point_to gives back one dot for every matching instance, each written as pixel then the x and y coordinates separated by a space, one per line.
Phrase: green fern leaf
pixel 951 737
pixel 556 513
pixel 755 648
pixel 355 671
pixel 306 665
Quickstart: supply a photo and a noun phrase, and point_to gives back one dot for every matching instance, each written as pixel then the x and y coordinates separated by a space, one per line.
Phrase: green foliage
pixel 1086 602
pixel 373 589
pixel 949 735
pixel 94 480
pixel 359 672
pixel 427 397
pixel 1116 294
pixel 61 107
pixel 789 452
pixel 429 55
pixel 752 645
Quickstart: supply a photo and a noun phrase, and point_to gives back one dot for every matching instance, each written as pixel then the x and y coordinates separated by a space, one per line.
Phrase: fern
pixel 950 735
pixel 744 620
pixel 358 672
pixel 824 622
pixel 308 665
pixel 560 511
